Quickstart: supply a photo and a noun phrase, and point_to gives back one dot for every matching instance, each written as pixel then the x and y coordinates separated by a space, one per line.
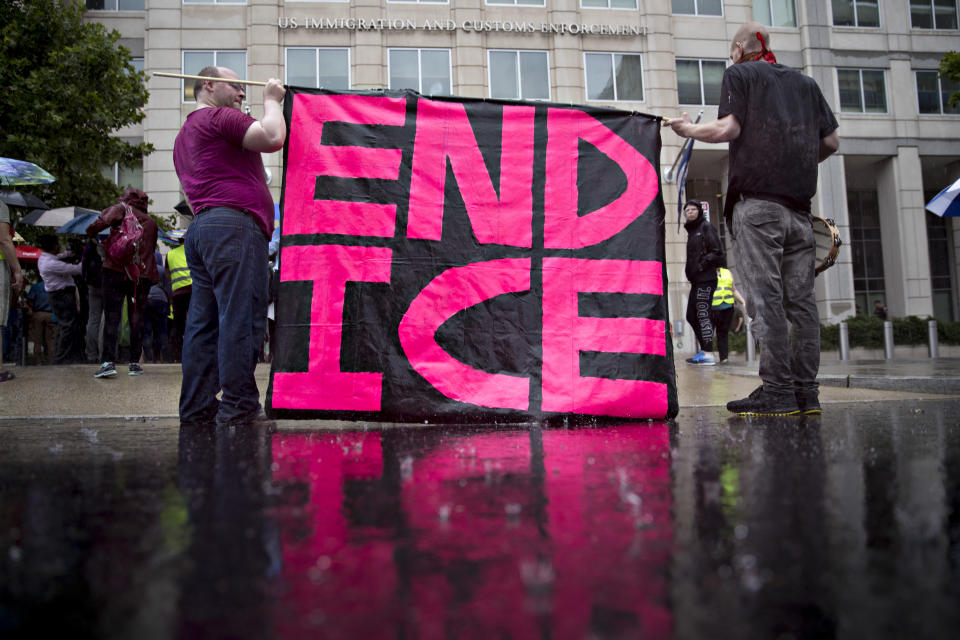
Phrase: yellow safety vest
pixel 179 272
pixel 723 295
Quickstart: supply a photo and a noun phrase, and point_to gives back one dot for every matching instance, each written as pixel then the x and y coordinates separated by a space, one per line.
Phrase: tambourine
pixel 828 242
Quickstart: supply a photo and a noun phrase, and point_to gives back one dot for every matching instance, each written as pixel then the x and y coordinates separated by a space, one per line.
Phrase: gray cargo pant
pixel 775 265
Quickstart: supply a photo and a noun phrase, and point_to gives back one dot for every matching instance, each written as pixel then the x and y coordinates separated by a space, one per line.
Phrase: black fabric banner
pixel 466 260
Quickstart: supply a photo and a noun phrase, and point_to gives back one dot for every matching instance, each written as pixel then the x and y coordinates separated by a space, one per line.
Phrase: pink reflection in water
pixel 518 534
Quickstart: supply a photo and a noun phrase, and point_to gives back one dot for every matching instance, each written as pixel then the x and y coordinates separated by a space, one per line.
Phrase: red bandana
pixel 764 53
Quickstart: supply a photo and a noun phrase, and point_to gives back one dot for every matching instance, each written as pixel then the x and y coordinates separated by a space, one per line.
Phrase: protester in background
pixel 92 273
pixel 722 311
pixel 779 127
pixel 217 158
pixel 704 255
pixel 41 327
pixel 178 274
pixel 74 255
pixel 57 277
pixel 158 306
pixel 879 310
pixel 274 254
pixel 11 277
pixel 738 322
pixel 124 283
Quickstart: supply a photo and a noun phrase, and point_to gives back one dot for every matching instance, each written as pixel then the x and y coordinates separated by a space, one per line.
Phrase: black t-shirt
pixel 783 117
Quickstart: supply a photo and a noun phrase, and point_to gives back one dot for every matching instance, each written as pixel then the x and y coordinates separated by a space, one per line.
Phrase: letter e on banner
pixel 307 158
pixel 566 334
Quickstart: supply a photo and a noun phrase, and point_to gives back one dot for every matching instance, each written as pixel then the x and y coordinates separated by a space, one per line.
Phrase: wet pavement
pixel 840 526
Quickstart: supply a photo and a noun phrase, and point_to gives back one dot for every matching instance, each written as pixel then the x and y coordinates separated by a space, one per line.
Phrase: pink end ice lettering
pixel 566 334
pixel 444 132
pixel 563 228
pixel 307 159
pixel 324 386
pixel 452 291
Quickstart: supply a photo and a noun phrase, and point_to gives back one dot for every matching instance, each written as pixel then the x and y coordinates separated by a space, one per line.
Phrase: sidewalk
pixel 61 392
pixel 928 375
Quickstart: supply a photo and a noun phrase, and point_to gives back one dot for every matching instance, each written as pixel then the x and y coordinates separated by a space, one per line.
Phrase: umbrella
pixel 55 217
pixel 22 172
pixel 947 202
pixel 21 199
pixel 172 237
pixel 183 208
pixel 79 224
pixel 27 252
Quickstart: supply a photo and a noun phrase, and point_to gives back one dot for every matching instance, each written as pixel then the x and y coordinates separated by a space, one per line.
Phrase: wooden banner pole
pixel 164 74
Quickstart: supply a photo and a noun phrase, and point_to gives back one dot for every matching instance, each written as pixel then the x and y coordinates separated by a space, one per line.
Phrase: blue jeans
pixel 227 255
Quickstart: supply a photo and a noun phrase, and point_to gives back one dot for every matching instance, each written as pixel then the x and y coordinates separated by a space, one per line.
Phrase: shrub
pixel 867 332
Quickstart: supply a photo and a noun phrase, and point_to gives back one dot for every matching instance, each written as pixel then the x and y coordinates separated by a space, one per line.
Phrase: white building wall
pixel 913 151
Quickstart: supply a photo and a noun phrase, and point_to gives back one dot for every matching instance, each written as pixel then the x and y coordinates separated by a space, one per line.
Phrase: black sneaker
pixel 106 370
pixel 761 403
pixel 135 369
pixel 809 403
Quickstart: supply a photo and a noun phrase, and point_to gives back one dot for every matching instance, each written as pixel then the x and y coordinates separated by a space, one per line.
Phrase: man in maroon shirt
pixel 217 158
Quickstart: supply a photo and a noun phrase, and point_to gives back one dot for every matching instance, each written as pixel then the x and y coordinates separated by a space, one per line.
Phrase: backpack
pixel 123 244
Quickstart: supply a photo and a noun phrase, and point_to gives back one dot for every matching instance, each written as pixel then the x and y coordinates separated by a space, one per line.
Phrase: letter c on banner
pixel 563 228
pixel 453 290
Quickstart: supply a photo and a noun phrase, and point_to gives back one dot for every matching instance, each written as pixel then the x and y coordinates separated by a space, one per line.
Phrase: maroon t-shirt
pixel 214 168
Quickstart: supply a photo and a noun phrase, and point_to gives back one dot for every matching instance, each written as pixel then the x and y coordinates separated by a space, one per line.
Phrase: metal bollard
pixel 932 339
pixel 844 341
pixel 751 346
pixel 888 339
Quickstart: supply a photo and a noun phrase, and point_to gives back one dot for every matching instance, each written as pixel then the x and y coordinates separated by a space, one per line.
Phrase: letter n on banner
pixel 461 260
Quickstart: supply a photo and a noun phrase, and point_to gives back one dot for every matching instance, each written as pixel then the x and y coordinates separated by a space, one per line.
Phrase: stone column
pixel 834 287
pixel 906 261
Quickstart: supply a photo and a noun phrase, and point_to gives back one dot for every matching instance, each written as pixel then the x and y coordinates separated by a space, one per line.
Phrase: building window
pixel 606 4
pixel 195 61
pixel 866 249
pixel 519 75
pixel 698 7
pixel 862 90
pixel 933 14
pixel 320 67
pixel 423 70
pixel 856 13
pixel 698 81
pixel 614 76
pixel 115 5
pixel 775 13
pixel 934 91
pixel 124 176
pixel 535 3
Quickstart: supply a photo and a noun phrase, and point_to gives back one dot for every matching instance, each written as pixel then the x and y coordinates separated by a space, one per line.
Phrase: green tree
pixel 67 88
pixel 950 68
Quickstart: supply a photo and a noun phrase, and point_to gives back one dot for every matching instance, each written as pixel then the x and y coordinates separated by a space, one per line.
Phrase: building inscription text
pixel 388 24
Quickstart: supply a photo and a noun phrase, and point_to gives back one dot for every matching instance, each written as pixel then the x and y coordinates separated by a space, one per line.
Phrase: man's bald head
pixel 746 39
pixel 207 72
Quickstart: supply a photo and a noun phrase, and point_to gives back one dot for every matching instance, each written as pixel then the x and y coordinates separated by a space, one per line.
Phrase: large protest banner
pixel 467 260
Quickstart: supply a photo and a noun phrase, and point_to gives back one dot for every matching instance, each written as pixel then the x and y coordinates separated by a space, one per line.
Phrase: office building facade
pixel 875 60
